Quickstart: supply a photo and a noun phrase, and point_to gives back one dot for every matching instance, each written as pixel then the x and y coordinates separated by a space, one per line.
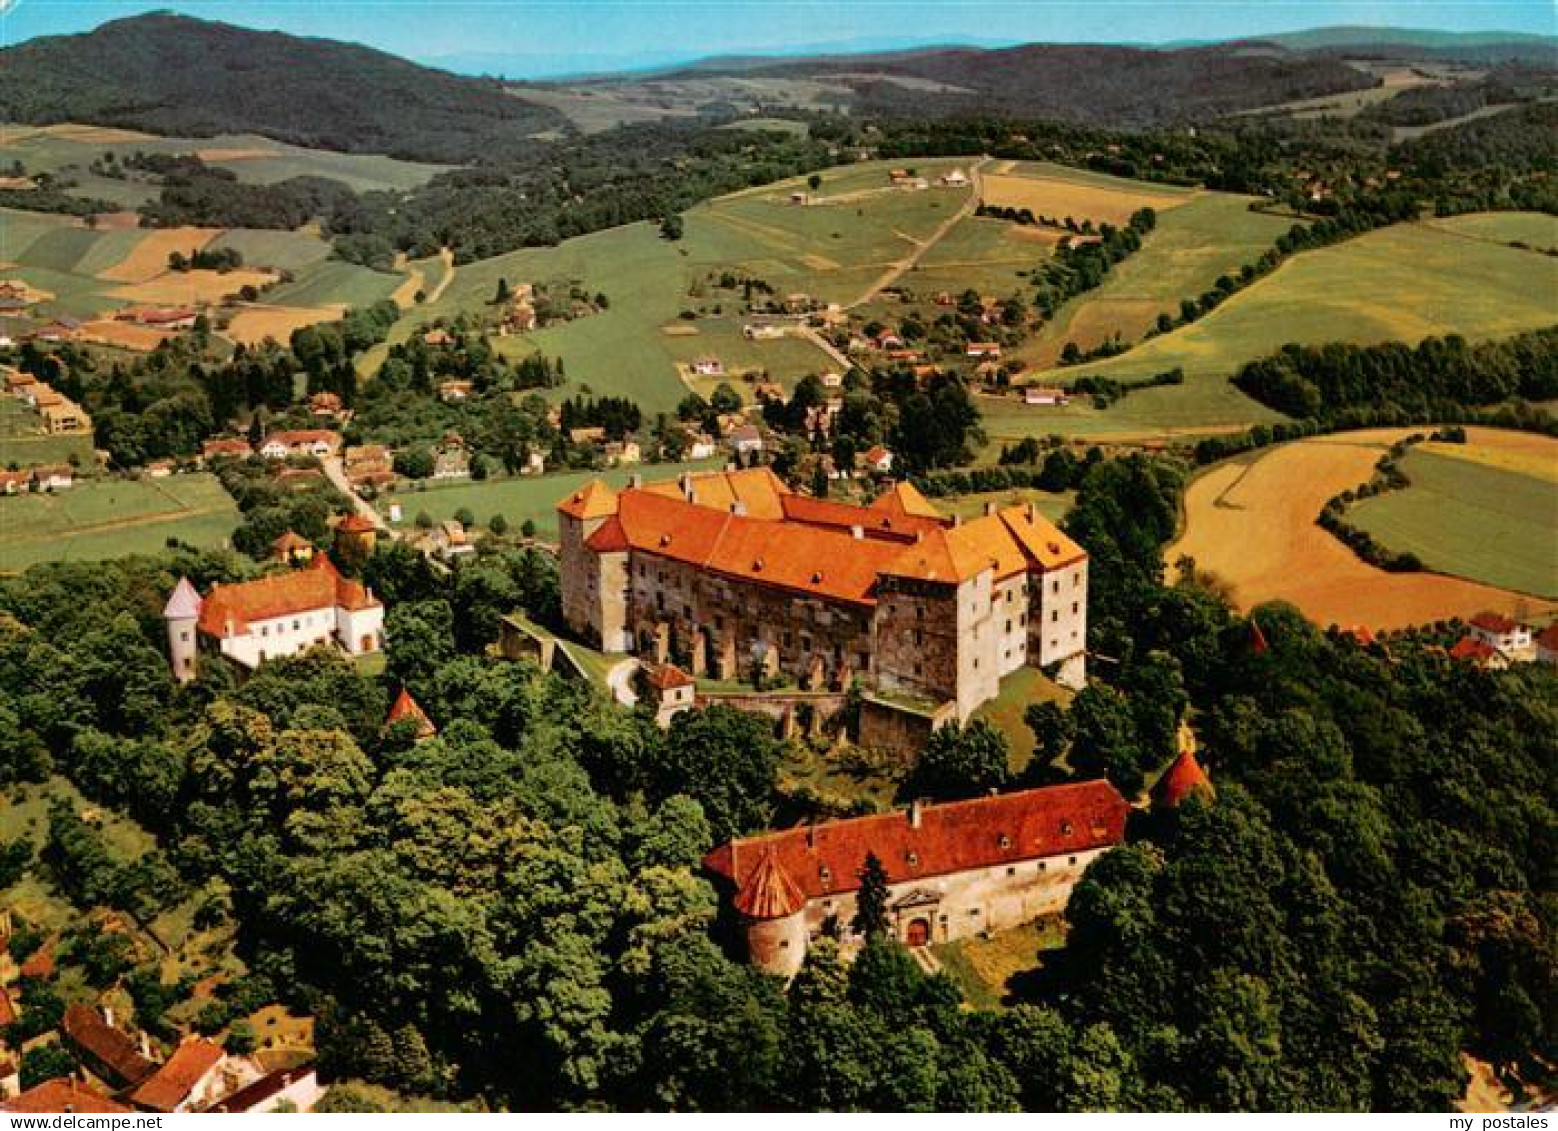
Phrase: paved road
pixel 335 471
pixel 620 680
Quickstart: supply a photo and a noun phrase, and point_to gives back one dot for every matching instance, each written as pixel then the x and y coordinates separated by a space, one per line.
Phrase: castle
pixel 731 574
pixel 953 870
pixel 281 615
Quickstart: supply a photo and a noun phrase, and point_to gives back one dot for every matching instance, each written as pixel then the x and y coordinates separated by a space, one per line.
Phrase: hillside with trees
pixel 176 75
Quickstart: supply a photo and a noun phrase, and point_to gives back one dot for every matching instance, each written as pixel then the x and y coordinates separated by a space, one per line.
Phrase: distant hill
pixel 176 75
pixel 1472 47
pixel 1085 83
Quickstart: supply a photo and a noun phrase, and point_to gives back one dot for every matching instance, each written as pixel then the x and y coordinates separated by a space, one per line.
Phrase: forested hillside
pixel 176 75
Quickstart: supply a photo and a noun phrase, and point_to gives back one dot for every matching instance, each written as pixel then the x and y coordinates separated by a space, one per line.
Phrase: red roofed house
pixel 878 460
pixel 733 570
pixel 674 691
pixel 191 1079
pixel 318 442
pixel 109 1052
pixel 64 1095
pixel 225 449
pixel 1475 650
pixel 254 621
pixel 953 870
pixel 405 707
pixel 1506 634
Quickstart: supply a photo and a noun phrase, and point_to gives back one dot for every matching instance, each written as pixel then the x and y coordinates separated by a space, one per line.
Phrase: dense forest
pixel 1364 899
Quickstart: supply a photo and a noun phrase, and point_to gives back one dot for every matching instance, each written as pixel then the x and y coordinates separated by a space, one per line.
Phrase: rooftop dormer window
pixel 1004 841
pixel 1065 828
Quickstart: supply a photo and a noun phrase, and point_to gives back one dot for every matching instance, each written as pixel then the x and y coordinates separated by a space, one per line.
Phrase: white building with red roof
pixel 1504 633
pixel 953 870
pixel 280 615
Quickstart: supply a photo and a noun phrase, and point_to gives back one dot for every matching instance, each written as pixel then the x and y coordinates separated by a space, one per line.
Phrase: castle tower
pixel 182 612
pixel 774 912
pixel 1184 779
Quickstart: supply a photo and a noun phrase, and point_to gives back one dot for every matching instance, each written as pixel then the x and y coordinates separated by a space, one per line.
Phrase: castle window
pixel 296 625
pixel 264 630
pixel 784 944
pixel 1044 865
pixel 1004 841
pixel 914 860
pixel 1054 615
pixel 1074 607
pixel 1055 588
pixel 825 873
pixel 1011 871
pixel 1076 579
pixel 1065 828
pixel 1073 861
pixel 184 636
pixel 1008 624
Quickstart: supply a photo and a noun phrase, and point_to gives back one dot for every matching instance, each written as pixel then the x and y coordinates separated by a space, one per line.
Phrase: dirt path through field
pixel 1253 524
pixel 115 524
pixel 907 263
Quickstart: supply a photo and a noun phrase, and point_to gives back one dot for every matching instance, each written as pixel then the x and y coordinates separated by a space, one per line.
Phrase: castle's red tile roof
pixel 405 707
pixel 610 538
pixel 767 892
pixel 320 586
pixel 64 1095
pixel 593 500
pixel 667 677
pixel 959 836
pixel 1181 779
pixel 112 1048
pixel 172 1083
pixel 1040 538
pixel 1496 623
pixel 757 488
pixel 842 516
pixel 905 498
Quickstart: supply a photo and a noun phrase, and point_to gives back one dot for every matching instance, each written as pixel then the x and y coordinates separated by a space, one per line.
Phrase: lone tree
pixel 671 227
pixel 871 901
pixel 814 182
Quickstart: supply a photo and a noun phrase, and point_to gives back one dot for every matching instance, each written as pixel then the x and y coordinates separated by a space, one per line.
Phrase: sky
pixel 536 38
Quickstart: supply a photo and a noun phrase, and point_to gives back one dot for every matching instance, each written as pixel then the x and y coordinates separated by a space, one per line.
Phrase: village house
pixel 63 1094
pixel 954 870
pixel 297 1088
pixel 1503 633
pixel 622 453
pixel 437 337
pixel 1040 395
pixel 327 406
pixel 535 463
pixel 700 445
pixel 196 1075
pixel 671 691
pixel 744 439
pixel 61 415
pixel 449 540
pixel 15 482
pixel 733 570
pixel 955 179
pixel 160 317
pixel 451 463
pixel 887 339
pixel 580 437
pixel 983 349
pixel 762 331
pixel 708 367
pixel 110 1053
pixel 19 385
pixel 301 442
pixel 1479 653
pixel 53 477
pixel 62 329
pixel 160 468
pixel 225 449
pixel 456 392
pixel 878 460
pixel 282 615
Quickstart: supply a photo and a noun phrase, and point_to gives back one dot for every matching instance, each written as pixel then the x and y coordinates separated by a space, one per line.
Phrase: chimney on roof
pixel 738 508
pixel 635 481
pixel 989 510
pixel 684 481
pixel 857 531
pixel 916 812
pixel 1030 511
pixel 811 835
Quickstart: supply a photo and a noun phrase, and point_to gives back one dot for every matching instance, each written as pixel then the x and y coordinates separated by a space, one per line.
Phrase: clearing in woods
pixel 1484 512
pixel 1405 282
pixel 1251 521
pixel 110 518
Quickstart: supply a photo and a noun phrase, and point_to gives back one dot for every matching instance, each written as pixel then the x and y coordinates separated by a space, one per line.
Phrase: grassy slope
pixel 519 499
pixel 1472 520
pixel 21 443
pixel 111 518
pixel 1407 282
pixel 1537 229
pixel 1192 245
pixel 830 251
pixel 333 281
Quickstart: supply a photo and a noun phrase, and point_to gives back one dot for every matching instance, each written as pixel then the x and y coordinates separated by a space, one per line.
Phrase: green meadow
pixel 1404 283
pixel 1473 520
pixel 110 518
pixel 532 498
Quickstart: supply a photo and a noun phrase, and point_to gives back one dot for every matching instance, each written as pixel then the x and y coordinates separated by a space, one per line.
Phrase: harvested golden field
pixel 1251 521
pixel 189 288
pixel 1524 453
pixel 1059 197
pixel 149 257
pixel 253 324
pixel 125 335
